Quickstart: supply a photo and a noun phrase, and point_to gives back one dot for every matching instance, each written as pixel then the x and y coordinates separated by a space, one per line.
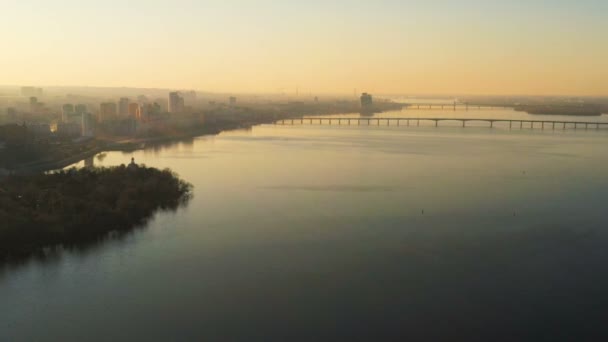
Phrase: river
pixel 311 232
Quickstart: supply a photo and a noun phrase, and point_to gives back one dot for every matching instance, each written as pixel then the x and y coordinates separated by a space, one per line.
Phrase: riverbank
pixel 216 123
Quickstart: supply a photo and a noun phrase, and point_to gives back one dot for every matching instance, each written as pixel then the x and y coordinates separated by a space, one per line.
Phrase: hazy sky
pixel 430 46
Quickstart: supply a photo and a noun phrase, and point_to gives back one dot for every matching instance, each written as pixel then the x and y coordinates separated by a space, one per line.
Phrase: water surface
pixel 325 232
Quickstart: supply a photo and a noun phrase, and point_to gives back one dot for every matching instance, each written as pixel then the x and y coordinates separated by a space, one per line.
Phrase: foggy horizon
pixel 472 48
pixel 15 91
pixel 361 170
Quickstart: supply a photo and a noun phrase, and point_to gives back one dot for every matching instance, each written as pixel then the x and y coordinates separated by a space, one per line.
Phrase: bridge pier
pixel 554 125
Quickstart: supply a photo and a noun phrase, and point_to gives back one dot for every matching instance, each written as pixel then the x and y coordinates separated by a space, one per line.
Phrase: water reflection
pixel 345 233
pixel 339 188
pixel 483 113
pixel 85 246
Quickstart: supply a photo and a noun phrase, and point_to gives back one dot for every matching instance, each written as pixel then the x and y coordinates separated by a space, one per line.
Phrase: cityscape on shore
pixel 42 131
pixel 89 117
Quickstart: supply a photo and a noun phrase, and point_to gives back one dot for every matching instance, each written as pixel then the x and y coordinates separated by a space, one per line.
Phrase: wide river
pixel 345 233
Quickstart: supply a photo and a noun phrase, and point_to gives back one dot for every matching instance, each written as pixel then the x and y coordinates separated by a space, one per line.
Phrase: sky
pixel 535 47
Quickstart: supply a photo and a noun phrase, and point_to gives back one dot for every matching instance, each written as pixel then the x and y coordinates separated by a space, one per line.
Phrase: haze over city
pixel 389 47
pixel 206 170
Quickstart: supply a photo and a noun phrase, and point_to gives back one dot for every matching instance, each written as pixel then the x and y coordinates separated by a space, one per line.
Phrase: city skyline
pixel 389 47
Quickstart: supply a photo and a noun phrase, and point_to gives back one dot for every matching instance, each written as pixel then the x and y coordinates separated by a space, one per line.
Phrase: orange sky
pixel 463 47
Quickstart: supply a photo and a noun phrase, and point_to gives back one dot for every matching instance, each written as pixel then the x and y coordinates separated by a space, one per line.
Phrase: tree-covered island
pixel 80 206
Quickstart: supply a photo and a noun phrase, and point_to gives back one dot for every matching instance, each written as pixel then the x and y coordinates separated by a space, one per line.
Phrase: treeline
pixel 21 147
pixel 81 206
pixel 563 109
pixel 14 135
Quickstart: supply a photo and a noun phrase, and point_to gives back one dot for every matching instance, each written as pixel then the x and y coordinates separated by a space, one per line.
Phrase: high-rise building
pixel 68 108
pixel 66 112
pixel 33 104
pixel 163 104
pixel 80 109
pixel 142 112
pixel 123 107
pixel 232 100
pixel 142 99
pixel 86 128
pixel 176 103
pixel 149 112
pixel 107 111
pixel 366 100
pixel 134 110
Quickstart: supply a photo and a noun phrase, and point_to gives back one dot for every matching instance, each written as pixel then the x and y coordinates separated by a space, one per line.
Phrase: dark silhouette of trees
pixel 81 206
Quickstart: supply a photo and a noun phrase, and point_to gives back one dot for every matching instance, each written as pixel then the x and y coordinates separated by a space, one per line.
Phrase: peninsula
pixel 80 206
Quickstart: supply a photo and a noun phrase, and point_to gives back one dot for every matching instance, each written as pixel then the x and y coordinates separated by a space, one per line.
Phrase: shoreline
pixel 135 144
pixel 39 208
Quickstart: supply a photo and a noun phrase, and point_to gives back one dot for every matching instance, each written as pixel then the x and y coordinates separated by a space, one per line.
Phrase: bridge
pixel 513 123
pixel 455 106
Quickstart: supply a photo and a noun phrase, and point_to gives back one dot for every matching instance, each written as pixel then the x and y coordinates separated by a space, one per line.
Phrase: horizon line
pixel 304 94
